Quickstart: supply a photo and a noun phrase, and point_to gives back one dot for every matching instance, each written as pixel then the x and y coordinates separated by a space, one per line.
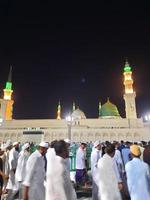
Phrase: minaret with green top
pixel 59 111
pixel 129 93
pixel 8 102
pixel 8 87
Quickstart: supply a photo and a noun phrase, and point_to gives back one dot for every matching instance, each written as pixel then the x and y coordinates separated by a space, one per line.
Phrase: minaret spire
pixel 59 111
pixel 129 95
pixel 10 75
pixel 73 107
pixel 99 108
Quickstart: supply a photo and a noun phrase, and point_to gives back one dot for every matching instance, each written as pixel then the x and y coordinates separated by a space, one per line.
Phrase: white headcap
pixel 67 140
pixel 15 143
pixel 8 144
pixel 44 144
pixel 25 146
pixel 96 143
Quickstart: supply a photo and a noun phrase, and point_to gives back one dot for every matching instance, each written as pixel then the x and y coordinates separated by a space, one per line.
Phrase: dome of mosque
pixel 78 114
pixel 109 110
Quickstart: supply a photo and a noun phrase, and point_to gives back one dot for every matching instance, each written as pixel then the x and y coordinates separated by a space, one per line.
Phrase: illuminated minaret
pixel 8 102
pixel 59 111
pixel 8 88
pixel 73 107
pixel 99 108
pixel 129 95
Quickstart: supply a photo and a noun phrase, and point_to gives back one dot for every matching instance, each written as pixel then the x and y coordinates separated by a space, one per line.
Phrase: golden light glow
pixel 128 82
pixel 9 106
pixel 7 94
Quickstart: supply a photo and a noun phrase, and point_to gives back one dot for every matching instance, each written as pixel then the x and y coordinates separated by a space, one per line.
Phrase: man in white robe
pixel 35 174
pixel 107 182
pixel 138 176
pixel 8 146
pixel 13 159
pixel 58 183
pixel 21 168
pixel 95 156
pixel 81 171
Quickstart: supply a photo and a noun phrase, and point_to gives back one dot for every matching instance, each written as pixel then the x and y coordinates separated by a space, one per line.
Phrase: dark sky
pixel 72 53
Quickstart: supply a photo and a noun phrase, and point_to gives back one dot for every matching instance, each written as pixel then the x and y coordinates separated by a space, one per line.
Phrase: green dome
pixel 109 110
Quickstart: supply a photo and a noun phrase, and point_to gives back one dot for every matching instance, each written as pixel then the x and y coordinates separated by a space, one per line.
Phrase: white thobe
pixel 119 162
pixel 138 179
pixel 6 163
pixel 21 168
pixel 95 156
pixel 35 174
pixel 13 159
pixel 80 159
pixel 58 183
pixel 107 181
pixel 125 155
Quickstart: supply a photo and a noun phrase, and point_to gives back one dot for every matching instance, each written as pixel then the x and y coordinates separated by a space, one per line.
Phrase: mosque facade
pixel 108 126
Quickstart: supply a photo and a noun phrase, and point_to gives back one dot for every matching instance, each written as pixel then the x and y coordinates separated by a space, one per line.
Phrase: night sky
pixel 73 52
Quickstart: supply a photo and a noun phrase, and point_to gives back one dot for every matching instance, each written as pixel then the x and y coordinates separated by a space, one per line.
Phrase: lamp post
pixel 69 120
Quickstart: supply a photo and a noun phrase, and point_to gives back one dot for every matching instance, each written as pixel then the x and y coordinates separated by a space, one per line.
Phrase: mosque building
pixel 108 126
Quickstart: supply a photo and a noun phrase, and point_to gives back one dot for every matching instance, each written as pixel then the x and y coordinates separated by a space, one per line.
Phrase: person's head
pixel 127 144
pixel 68 142
pixel 26 147
pixel 16 146
pixel 61 149
pixel 83 146
pixel 97 145
pixel 43 146
pixel 8 146
pixel 110 150
pixel 52 143
pixel 116 144
pixel 135 151
pixel 121 142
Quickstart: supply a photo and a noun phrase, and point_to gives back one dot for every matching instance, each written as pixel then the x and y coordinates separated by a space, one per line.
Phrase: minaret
pixel 8 108
pixel 129 96
pixel 73 107
pixel 59 111
pixel 99 109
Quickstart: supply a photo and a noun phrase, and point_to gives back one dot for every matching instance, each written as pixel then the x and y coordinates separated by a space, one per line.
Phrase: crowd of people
pixel 118 170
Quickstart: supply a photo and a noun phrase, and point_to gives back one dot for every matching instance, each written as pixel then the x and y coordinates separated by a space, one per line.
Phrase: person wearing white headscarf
pixel 58 183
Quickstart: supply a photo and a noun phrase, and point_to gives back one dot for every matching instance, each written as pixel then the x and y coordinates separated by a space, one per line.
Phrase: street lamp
pixel 69 120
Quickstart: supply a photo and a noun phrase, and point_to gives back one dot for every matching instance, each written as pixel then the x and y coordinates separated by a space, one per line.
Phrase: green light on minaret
pixel 127 67
pixel 8 86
